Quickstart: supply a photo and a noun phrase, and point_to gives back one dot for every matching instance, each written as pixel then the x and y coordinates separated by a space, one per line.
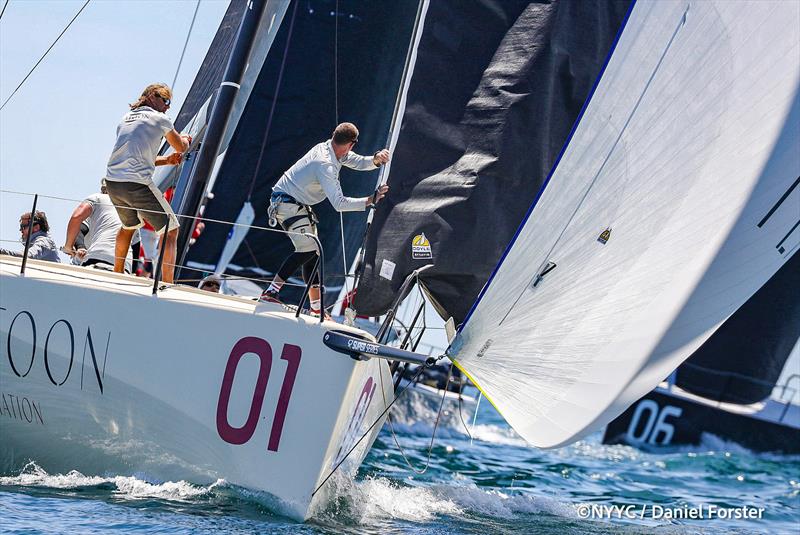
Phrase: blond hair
pixel 161 90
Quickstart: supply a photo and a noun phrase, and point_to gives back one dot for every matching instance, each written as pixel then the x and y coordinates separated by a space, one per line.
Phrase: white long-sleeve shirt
pixel 315 176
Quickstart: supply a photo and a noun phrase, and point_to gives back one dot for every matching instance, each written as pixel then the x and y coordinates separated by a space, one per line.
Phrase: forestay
pixel 673 202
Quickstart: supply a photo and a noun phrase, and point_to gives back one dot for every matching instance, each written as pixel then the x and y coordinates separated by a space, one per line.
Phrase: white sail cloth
pixel 236 237
pixel 684 153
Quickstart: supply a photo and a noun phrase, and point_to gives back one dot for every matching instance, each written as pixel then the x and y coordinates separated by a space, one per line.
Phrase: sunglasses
pixel 166 101
pixel 24 226
pixel 209 285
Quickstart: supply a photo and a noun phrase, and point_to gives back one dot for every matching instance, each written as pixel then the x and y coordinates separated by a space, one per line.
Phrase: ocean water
pixel 489 483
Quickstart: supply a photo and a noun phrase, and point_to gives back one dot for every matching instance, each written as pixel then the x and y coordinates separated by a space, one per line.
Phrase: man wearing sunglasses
pixel 129 178
pixel 42 245
pixel 311 180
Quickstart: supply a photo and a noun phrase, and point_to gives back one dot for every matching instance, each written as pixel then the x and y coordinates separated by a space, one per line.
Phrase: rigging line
pixel 336 64
pixel 596 177
pixel 183 52
pixel 46 52
pixel 274 103
pixel 475 416
pixel 336 122
pixel 344 254
pixel 249 250
pixel 433 435
pixel 460 400
pixel 378 419
pixel 4 9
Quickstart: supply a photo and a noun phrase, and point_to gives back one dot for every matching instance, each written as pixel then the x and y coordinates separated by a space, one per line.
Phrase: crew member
pixel 42 245
pixel 104 226
pixel 129 177
pixel 312 179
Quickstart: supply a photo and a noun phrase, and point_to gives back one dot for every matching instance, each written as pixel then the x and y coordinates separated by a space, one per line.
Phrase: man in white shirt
pixel 104 225
pixel 312 179
pixel 129 177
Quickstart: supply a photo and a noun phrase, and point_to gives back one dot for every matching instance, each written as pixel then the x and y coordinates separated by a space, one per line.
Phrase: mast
pixel 189 202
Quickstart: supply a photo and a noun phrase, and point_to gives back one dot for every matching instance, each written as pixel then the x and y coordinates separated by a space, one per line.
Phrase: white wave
pixel 376 499
pixel 498 434
pixel 129 487
pixel 34 476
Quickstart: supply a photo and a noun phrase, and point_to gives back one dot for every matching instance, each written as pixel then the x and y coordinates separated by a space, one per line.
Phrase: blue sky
pixel 57 132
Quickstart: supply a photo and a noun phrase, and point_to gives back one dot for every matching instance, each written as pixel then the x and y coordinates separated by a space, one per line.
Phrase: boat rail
pixel 727 392
pixel 158 263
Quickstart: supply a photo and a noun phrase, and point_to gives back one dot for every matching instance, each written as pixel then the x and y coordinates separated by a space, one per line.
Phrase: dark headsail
pixel 495 91
pixel 744 358
pixel 372 39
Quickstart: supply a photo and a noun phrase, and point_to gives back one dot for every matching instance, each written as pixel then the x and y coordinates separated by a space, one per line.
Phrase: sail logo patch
pixel 421 247
pixel 604 236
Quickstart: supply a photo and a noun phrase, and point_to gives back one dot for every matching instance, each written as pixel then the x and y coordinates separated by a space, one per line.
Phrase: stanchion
pixel 28 239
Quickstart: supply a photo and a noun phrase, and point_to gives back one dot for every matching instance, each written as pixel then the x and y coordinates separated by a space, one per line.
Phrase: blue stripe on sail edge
pixel 552 170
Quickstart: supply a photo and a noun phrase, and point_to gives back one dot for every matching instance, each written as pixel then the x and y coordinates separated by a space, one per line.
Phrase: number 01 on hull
pixel 98 375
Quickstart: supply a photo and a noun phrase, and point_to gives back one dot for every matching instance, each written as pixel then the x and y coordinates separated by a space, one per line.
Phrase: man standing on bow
pixel 312 179
pixel 129 178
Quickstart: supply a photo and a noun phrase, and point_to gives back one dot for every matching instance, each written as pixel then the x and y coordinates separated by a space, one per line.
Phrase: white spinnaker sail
pixel 689 152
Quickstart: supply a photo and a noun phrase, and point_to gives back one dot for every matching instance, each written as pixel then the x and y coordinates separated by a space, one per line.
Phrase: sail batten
pixel 650 216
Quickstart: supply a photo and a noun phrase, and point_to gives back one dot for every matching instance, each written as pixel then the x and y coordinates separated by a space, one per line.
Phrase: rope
pixel 336 122
pixel 336 65
pixel 183 52
pixel 475 417
pixel 433 435
pixel 460 400
pixel 196 218
pixel 46 52
pixel 4 9
pixel 365 433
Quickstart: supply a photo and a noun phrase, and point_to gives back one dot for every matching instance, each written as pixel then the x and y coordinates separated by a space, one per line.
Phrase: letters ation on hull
pixel 261 348
pixel 59 340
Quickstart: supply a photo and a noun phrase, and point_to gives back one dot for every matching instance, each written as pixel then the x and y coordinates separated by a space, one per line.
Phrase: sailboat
pixel 636 249
pixel 242 391
pixel 737 387
pixel 670 205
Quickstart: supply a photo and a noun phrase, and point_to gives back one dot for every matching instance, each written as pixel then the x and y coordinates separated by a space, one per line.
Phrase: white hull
pixel 120 381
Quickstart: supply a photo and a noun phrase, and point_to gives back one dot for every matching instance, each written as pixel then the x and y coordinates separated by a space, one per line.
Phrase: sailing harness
pixel 279 197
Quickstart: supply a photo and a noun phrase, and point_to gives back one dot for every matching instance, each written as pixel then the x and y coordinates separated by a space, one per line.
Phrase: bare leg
pixel 168 268
pixel 313 294
pixel 121 247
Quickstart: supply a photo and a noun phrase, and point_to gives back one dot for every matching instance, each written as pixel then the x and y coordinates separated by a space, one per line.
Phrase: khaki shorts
pixel 304 225
pixel 137 203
